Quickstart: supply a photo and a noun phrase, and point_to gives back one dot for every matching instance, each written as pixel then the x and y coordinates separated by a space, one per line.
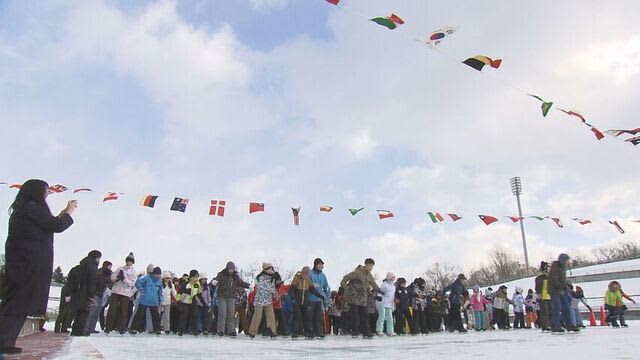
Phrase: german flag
pixel 479 61
pixel 149 201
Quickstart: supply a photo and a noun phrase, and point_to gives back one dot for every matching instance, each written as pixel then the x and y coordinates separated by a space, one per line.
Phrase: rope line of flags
pixel 217 208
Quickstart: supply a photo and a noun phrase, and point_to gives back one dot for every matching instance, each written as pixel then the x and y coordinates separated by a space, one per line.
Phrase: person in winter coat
pixel 560 308
pixel 278 302
pixel 168 297
pixel 316 306
pixel 478 302
pixel 229 283
pixel 83 295
pixel 124 280
pixel 577 297
pixel 437 311
pixel 418 302
pixel 387 305
pixel 530 305
pixel 62 321
pixel 543 296
pixel 102 283
pixel 356 285
pixel 402 302
pixel 335 312
pixel 488 294
pixel 213 319
pixel 456 290
pixel 615 305
pixel 500 317
pixel 188 304
pixel 518 309
pixel 203 301
pixel 263 301
pixel 29 259
pixel 150 297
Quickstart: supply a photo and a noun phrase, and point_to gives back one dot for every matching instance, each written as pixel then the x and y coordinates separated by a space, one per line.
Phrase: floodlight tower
pixel 516 189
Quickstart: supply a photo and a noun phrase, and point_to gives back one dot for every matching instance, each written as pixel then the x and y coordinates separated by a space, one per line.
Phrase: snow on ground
pixel 625 265
pixel 596 343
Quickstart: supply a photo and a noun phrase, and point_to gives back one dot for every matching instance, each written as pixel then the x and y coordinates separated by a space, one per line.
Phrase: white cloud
pixel 614 57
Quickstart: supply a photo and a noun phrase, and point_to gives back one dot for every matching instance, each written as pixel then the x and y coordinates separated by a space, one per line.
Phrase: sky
pixel 302 103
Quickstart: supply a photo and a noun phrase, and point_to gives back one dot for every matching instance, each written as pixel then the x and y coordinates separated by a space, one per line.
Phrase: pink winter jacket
pixel 478 301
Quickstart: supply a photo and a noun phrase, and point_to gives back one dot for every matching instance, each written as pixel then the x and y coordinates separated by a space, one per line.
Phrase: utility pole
pixel 516 189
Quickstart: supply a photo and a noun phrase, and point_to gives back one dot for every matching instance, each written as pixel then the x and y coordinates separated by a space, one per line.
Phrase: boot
pixel 557 330
pixel 622 322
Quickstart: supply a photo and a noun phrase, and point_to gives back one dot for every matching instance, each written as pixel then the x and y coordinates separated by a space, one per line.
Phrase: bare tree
pixel 623 251
pixel 440 275
pixel 249 272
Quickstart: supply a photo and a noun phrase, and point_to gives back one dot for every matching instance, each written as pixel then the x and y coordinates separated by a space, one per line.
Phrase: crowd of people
pixel 156 302
pixel 226 305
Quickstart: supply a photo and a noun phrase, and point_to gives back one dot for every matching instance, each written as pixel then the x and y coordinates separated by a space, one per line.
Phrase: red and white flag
pixel 255 207
pixel 217 208
pixel 487 219
pixel 110 196
pixel 57 188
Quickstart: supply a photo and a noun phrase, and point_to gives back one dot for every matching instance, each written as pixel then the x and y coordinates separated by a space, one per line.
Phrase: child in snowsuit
pixel 149 297
pixel 615 305
pixel 518 309
pixel 402 299
pixel 478 302
pixel 577 297
pixel 387 305
pixel 188 303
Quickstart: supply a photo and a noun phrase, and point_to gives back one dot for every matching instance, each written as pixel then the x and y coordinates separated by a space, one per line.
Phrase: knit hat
pixel 519 290
pixel 266 265
pixel 131 258
pixel 106 264
pixel 193 273
pixel 230 266
pixel 317 261
pixel 156 271
pixel 95 254
pixel 543 265
pixel 166 275
pixel 203 276
pixel 502 287
pixel 390 276
pixel 476 288
pixel 150 268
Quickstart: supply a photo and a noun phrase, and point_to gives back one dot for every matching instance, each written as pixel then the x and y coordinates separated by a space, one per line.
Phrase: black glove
pixel 379 298
pixel 121 275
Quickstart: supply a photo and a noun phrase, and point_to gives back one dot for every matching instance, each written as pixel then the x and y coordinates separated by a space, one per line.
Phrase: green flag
pixel 355 211
pixel 436 218
pixel 537 217
pixel 546 106
pixel 386 22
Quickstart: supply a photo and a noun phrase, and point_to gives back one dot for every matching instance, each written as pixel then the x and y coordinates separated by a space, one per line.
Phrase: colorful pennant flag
pixel 438 35
pixel 355 211
pixel 255 207
pixel 390 22
pixel 217 207
pixel 15 186
pixel 599 135
pixel 334 2
pixel 515 219
pixel 618 132
pixel 81 190
pixel 454 217
pixel 573 113
pixel 546 106
pixel 384 214
pixel 296 216
pixel 487 219
pixel 110 196
pixel 617 226
pixel 149 201
pixel 557 221
pixel 57 188
pixel 179 204
pixel 326 208
pixel 479 61
pixel 582 221
pixel 634 140
pixel 536 217
pixel 435 217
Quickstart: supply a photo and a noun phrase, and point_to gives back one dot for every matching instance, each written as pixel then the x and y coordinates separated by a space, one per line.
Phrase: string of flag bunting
pixel 478 62
pixel 217 208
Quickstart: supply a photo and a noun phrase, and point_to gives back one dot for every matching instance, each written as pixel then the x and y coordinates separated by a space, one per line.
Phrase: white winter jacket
pixel 126 287
pixel 389 295
pixel 167 294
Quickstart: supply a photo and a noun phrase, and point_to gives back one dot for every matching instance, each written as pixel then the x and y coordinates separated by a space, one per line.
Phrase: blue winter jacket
pixel 319 281
pixel 150 290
